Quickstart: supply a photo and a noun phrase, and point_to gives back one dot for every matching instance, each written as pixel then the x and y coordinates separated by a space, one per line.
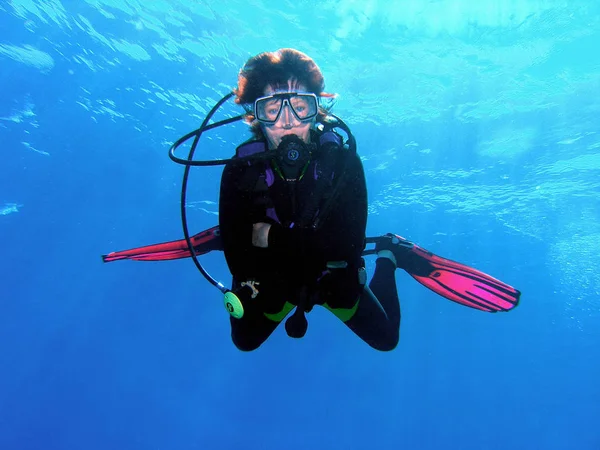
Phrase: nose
pixel 287 118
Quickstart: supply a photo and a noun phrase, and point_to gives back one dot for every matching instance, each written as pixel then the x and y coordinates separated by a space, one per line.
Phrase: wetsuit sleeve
pixel 236 217
pixel 238 211
pixel 341 236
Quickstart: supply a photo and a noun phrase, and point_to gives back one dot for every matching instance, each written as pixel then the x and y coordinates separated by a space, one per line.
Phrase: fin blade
pixel 203 242
pixel 465 285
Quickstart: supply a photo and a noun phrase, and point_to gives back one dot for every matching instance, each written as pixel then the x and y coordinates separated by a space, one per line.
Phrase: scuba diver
pixel 293 217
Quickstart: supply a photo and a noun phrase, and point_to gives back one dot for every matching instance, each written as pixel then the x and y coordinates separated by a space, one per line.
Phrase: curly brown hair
pixel 275 69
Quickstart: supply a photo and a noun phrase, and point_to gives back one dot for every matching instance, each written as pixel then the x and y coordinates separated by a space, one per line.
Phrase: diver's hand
pixel 260 234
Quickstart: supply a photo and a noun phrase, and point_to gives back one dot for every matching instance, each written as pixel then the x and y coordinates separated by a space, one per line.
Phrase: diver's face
pixel 287 123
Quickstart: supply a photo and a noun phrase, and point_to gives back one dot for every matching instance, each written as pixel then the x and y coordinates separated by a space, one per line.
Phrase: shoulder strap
pixel 256 178
pixel 251 147
pixel 330 136
pixel 325 171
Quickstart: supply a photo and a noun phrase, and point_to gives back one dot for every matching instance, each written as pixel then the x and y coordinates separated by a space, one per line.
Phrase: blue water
pixel 478 126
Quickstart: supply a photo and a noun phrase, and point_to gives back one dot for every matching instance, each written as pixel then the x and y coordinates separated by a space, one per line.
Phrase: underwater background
pixel 478 125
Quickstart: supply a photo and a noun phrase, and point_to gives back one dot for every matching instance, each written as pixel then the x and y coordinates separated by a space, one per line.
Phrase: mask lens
pixel 267 109
pixel 305 106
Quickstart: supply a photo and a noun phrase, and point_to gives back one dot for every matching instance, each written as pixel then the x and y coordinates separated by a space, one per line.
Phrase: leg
pixel 377 318
pixel 249 332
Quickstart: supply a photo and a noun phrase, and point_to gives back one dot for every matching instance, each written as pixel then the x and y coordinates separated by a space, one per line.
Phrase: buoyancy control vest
pixel 297 186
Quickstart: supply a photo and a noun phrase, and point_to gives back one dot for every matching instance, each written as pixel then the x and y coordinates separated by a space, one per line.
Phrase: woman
pixel 269 236
pixel 292 219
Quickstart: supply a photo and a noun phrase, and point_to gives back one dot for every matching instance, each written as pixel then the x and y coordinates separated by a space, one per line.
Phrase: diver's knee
pixel 386 346
pixel 245 345
pixel 387 343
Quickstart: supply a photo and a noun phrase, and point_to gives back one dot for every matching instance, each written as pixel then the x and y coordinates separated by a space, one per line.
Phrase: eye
pixel 300 105
pixel 271 109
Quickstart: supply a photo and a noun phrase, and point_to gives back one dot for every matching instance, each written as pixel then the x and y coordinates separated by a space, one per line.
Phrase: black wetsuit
pixel 296 261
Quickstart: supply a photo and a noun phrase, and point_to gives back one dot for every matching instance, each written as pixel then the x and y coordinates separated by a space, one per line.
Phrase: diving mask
pixel 303 105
